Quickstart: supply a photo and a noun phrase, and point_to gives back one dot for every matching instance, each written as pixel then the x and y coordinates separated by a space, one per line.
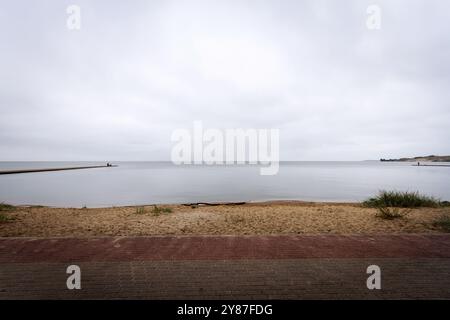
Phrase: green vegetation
pixel 157 210
pixel 5 218
pixel 391 213
pixel 6 207
pixel 140 210
pixel 400 199
pixel 444 203
pixel 389 203
pixel 443 223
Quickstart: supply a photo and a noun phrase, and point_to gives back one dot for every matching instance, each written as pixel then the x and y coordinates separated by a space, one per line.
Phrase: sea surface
pixel 139 183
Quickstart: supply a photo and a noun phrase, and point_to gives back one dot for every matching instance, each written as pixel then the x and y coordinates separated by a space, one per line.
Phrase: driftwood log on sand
pixel 214 204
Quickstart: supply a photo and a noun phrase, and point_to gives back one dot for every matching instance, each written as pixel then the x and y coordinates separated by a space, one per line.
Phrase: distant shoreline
pixel 431 158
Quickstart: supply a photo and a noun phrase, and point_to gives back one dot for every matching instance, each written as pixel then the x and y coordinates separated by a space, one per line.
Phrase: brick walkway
pixel 227 267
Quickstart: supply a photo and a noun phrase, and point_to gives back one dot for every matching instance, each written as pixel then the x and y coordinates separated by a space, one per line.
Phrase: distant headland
pixel 431 158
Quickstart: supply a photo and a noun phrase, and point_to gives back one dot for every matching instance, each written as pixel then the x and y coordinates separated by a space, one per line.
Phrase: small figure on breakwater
pixel 108 164
pixel 418 164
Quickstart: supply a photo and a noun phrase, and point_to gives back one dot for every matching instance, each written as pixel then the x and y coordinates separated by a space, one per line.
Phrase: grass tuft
pixel 390 213
pixel 140 210
pixel 157 210
pixel 444 203
pixel 6 207
pixel 443 223
pixel 5 218
pixel 398 199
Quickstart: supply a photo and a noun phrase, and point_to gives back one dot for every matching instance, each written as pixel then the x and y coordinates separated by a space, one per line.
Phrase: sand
pixel 249 219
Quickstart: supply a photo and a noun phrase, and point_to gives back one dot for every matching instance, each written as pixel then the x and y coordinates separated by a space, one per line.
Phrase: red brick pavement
pixel 23 250
pixel 227 267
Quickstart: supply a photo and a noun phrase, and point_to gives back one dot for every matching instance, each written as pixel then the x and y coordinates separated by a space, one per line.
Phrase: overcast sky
pixel 137 70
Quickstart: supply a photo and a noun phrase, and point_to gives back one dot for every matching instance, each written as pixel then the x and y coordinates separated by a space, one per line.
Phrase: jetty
pixel 53 169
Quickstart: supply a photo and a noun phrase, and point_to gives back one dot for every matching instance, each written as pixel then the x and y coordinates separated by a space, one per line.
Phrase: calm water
pixel 135 183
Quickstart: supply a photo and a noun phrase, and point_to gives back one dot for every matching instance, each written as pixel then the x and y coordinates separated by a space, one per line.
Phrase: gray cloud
pixel 134 72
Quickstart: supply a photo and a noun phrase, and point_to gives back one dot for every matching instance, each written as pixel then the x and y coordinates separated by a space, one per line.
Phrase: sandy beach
pixel 249 219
